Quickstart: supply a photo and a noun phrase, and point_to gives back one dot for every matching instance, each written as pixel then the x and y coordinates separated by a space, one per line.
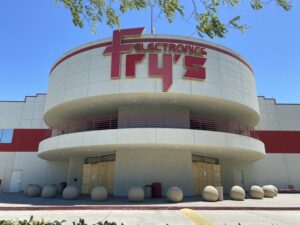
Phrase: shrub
pixel 31 221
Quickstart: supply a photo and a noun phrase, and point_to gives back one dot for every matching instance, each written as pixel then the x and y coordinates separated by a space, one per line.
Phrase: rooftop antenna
pixel 152 24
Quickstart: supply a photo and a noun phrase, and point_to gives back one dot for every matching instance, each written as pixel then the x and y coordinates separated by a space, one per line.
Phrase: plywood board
pixel 202 176
pixel 196 178
pixel 110 176
pixel 210 174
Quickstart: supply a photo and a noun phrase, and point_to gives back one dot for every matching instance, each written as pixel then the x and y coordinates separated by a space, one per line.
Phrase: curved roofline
pixel 153 38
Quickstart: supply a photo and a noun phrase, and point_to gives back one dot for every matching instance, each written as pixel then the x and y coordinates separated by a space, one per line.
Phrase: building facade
pixel 137 109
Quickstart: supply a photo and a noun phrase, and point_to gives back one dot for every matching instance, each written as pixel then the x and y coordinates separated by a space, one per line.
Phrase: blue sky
pixel 34 33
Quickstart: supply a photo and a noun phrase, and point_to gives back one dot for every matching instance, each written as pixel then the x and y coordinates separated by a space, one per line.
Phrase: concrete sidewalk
pixel 161 217
pixel 21 202
pixel 154 211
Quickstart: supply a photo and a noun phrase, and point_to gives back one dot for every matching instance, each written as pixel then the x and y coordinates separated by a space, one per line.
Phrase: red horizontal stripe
pixel 25 140
pixel 279 141
pixel 169 40
pixel 80 51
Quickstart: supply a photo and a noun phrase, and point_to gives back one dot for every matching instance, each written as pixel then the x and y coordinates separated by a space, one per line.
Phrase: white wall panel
pixel 38 171
pixel 223 70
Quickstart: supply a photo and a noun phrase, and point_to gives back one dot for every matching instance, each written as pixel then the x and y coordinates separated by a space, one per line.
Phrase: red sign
pixel 193 61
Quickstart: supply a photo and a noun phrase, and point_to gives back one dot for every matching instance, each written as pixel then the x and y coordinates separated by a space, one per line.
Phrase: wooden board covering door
pixel 205 174
pixel 98 174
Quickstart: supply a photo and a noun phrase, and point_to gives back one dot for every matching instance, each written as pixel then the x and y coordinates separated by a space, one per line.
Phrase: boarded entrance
pixel 205 173
pixel 98 174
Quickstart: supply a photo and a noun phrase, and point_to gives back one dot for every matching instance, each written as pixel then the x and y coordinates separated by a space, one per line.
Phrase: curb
pixel 107 207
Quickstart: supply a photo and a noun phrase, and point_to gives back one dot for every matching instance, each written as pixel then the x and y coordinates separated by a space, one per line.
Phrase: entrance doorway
pixel 98 171
pixel 15 181
pixel 206 171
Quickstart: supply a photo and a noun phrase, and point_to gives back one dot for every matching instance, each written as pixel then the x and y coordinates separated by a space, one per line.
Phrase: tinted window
pixel 6 135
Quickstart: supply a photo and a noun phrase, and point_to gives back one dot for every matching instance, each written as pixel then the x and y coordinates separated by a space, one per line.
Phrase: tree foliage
pixel 205 12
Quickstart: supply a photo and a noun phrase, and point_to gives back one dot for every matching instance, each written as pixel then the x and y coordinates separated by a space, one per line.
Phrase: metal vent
pixel 205 159
pixel 101 158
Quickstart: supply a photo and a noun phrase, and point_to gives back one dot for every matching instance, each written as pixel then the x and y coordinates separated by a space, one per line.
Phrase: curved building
pixel 140 109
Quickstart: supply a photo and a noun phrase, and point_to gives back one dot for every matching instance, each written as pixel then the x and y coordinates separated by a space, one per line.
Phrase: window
pixel 6 135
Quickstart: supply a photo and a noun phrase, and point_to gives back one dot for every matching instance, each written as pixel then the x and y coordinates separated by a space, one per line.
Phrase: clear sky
pixel 35 33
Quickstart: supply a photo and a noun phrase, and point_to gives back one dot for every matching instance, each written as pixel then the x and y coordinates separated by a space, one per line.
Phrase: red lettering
pixel 194 59
pixel 117 48
pixel 194 67
pixel 131 60
pixel 157 48
pixel 181 48
pixel 176 57
pixel 165 71
pixel 172 48
pixel 151 47
pixel 138 47
pixel 190 49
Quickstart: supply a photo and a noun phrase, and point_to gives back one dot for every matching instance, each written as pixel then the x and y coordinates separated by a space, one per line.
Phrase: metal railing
pixel 152 120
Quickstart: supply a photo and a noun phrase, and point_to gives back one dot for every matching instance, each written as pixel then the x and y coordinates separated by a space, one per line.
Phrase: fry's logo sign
pixel 193 61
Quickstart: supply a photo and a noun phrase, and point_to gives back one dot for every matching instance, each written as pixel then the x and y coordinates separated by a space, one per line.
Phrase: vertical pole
pixel 152 25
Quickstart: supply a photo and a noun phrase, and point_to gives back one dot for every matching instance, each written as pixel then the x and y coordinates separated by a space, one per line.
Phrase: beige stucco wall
pixel 6 166
pixel 139 167
pixel 33 169
pixel 38 171
pixel 23 114
pixel 277 116
pixel 277 169
pixel 84 80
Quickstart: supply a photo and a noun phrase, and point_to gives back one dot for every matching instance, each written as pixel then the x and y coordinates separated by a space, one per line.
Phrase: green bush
pixel 31 221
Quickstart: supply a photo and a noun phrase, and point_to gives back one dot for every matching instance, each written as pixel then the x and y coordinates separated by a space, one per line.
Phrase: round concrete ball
pixel 275 189
pixel 269 191
pixel 70 193
pixel 237 193
pixel 174 194
pixel 26 189
pixel 210 194
pixel 99 193
pixel 34 191
pixel 136 194
pixel 256 192
pixel 49 191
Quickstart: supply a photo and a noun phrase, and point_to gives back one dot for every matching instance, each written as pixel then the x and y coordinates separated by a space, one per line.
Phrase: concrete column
pixel 139 167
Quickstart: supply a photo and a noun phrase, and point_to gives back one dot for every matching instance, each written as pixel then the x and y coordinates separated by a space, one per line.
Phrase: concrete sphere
pixel 136 194
pixel 34 191
pixel 275 189
pixel 256 192
pixel 99 193
pixel 269 191
pixel 49 191
pixel 26 189
pixel 237 193
pixel 210 194
pixel 70 193
pixel 174 194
